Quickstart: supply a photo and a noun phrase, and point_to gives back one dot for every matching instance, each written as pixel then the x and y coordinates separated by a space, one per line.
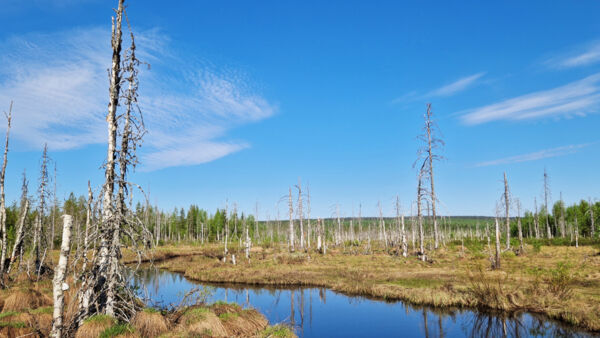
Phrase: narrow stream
pixel 316 312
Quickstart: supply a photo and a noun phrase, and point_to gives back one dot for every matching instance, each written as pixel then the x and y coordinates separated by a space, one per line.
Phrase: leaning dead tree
pixel 427 152
pixel 104 289
pixel 20 234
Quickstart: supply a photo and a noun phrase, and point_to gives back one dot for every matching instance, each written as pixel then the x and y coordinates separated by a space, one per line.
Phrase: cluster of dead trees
pixel 94 258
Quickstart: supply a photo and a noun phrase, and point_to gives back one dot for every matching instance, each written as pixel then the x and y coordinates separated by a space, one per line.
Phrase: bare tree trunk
pixel 546 193
pixel 308 217
pixel 247 240
pixel 58 284
pixel 54 211
pixel 430 145
pixel 319 235
pixel 291 211
pixel 420 214
pixel 2 199
pixel 299 186
pixel 383 234
pixel 402 232
pixel 109 221
pixel 226 236
pixel 88 224
pixel 496 264
pixel 521 247
pixel 562 217
pixel 576 232
pixel 536 221
pixel 19 235
pixel 507 211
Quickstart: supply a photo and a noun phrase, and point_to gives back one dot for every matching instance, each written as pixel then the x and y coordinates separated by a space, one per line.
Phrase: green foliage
pixel 45 309
pixel 537 246
pixel 228 315
pixel 559 279
pixel 352 243
pixel 8 314
pixel 101 319
pixel 16 325
pixel 116 330
pixel 277 331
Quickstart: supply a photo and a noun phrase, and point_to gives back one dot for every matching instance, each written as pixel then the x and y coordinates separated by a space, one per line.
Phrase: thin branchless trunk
pixel 309 230
pixel 507 211
pixel 520 228
pixel 58 284
pixel 420 214
pixel 291 211
pixel 382 234
pixel 546 193
pixel 496 264
pixel 88 224
pixel 402 230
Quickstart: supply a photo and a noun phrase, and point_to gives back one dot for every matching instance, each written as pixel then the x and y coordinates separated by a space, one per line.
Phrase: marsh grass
pixel 532 281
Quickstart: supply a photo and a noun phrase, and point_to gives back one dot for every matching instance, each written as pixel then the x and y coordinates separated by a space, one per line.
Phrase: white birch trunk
pixel 58 284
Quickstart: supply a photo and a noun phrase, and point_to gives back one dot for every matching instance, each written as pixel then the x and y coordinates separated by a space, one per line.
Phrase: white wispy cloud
pixel 456 86
pixel 538 155
pixel 447 90
pixel 581 56
pixel 574 99
pixel 59 85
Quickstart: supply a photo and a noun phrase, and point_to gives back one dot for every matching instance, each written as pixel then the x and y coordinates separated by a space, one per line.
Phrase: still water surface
pixel 316 312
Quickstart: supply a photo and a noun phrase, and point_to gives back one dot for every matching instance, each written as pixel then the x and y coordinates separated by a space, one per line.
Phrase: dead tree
pixel 299 187
pixel 309 230
pixel 420 193
pixel 427 152
pixel 38 238
pixel 562 217
pixel 58 284
pixel 536 221
pixel 2 198
pixel 496 263
pixel 20 234
pixel 520 228
pixel 402 232
pixel 247 239
pixel 382 232
pixel 54 211
pixel 507 211
pixel 291 212
pixel 546 196
pixel 104 289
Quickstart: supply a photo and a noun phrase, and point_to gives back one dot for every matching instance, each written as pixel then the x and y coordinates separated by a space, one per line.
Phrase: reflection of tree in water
pixel 435 322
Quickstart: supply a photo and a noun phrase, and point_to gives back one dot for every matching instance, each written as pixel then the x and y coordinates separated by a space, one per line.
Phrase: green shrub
pixel 559 279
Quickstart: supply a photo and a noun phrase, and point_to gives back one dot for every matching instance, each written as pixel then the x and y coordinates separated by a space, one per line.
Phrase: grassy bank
pixel 559 281
pixel 26 310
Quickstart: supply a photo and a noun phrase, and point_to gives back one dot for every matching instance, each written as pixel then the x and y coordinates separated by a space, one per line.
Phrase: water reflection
pixel 318 312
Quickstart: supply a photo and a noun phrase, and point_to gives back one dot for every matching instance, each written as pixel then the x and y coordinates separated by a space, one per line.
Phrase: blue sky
pixel 244 98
